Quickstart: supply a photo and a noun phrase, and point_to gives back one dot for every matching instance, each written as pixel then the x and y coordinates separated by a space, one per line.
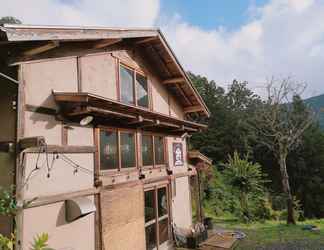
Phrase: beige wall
pixel 181 203
pixel 42 77
pixel 98 75
pixel 77 235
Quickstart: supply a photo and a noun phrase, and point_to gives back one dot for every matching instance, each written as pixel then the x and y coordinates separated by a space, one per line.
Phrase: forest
pixel 231 140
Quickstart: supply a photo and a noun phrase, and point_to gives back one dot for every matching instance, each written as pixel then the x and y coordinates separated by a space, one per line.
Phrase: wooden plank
pixel 106 42
pixel 146 40
pixel 63 149
pixel 40 109
pixel 41 49
pixel 193 109
pixel 173 80
pixel 45 200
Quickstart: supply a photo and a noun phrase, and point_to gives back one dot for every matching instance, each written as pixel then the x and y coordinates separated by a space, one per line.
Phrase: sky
pixel 247 40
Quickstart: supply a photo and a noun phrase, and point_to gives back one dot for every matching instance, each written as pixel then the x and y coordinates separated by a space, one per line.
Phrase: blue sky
pixel 209 14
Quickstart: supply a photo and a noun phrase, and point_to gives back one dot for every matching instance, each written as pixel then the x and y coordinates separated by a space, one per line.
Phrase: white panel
pixel 80 136
pixel 181 204
pixel 160 97
pixel 78 235
pixel 43 77
pixel 62 178
pixel 43 125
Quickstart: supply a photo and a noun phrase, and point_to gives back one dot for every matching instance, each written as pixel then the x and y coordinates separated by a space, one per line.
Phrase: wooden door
pixel 157 218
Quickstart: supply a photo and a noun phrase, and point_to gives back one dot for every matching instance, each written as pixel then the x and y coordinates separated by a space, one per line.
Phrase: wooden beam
pixel 146 40
pixel 106 43
pixel 183 94
pixel 41 49
pixel 62 149
pixel 139 119
pixel 174 80
pixel 193 109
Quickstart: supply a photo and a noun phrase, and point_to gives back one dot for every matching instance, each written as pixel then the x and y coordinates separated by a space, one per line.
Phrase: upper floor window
pixel 117 149
pixel 133 87
pixel 153 148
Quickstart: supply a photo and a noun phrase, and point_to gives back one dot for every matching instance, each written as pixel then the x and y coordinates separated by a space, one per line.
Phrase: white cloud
pixel 285 38
pixel 282 38
pixel 83 12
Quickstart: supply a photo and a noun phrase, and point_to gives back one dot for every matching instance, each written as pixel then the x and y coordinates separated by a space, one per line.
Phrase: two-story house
pixel 94 130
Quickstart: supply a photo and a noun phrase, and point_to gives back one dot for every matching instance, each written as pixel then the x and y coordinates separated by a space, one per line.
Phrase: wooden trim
pixel 156 179
pixel 40 109
pixel 98 223
pixel 117 78
pixel 41 49
pixel 122 185
pixel 192 109
pixel 46 200
pixel 79 74
pixel 63 149
pixel 96 134
pixel 106 42
pixel 19 168
pixel 64 134
pixel 173 80
pixel 146 40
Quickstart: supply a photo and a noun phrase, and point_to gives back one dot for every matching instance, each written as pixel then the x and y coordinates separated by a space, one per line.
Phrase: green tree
pixel 9 19
pixel 246 179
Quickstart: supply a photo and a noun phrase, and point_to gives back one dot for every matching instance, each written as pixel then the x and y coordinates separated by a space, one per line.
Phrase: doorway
pixel 157 218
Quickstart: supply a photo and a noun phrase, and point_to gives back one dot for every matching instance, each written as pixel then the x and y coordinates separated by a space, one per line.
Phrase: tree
pixel 9 19
pixel 247 179
pixel 279 126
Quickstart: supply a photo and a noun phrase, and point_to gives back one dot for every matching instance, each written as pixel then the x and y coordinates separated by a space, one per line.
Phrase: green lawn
pixel 276 234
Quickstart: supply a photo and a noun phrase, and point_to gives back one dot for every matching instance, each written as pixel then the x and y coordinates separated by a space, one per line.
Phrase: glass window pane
pixel 150 235
pixel 147 150
pixel 149 206
pixel 159 150
pixel 127 150
pixel 163 230
pixel 126 85
pixel 142 92
pixel 108 150
pixel 162 202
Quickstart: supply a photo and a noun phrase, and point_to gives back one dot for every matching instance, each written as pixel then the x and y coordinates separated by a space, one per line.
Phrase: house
pixel 94 132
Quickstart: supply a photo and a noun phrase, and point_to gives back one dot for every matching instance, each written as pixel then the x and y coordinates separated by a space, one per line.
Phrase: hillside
pixel 317 104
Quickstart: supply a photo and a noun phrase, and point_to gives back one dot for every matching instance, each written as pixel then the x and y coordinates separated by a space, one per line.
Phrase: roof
pixel 151 42
pixel 197 156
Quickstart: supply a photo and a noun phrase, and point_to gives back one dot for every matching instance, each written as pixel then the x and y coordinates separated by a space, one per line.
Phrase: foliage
pixel 40 242
pixel 7 243
pixel 8 205
pixel 9 19
pixel 247 181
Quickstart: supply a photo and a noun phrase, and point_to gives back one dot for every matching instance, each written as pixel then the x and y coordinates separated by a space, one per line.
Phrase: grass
pixel 275 234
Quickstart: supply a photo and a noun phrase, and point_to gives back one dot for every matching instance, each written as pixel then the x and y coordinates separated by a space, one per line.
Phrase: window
pixel 126 85
pixel 147 150
pixel 141 91
pixel 133 87
pixel 117 149
pixel 108 150
pixel 159 150
pixel 152 150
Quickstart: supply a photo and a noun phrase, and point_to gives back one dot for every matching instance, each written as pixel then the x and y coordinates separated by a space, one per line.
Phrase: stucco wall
pixel 98 75
pixel 77 235
pixel 41 78
pixel 181 203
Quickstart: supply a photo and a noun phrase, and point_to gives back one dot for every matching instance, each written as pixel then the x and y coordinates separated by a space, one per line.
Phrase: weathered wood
pixel 106 42
pixel 40 109
pixel 146 40
pixel 173 80
pixel 63 149
pixel 41 201
pixel 192 109
pixel 41 49
pixel 31 142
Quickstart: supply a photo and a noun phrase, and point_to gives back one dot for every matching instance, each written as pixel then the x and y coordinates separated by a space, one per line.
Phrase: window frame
pixel 153 135
pixel 135 73
pixel 119 160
